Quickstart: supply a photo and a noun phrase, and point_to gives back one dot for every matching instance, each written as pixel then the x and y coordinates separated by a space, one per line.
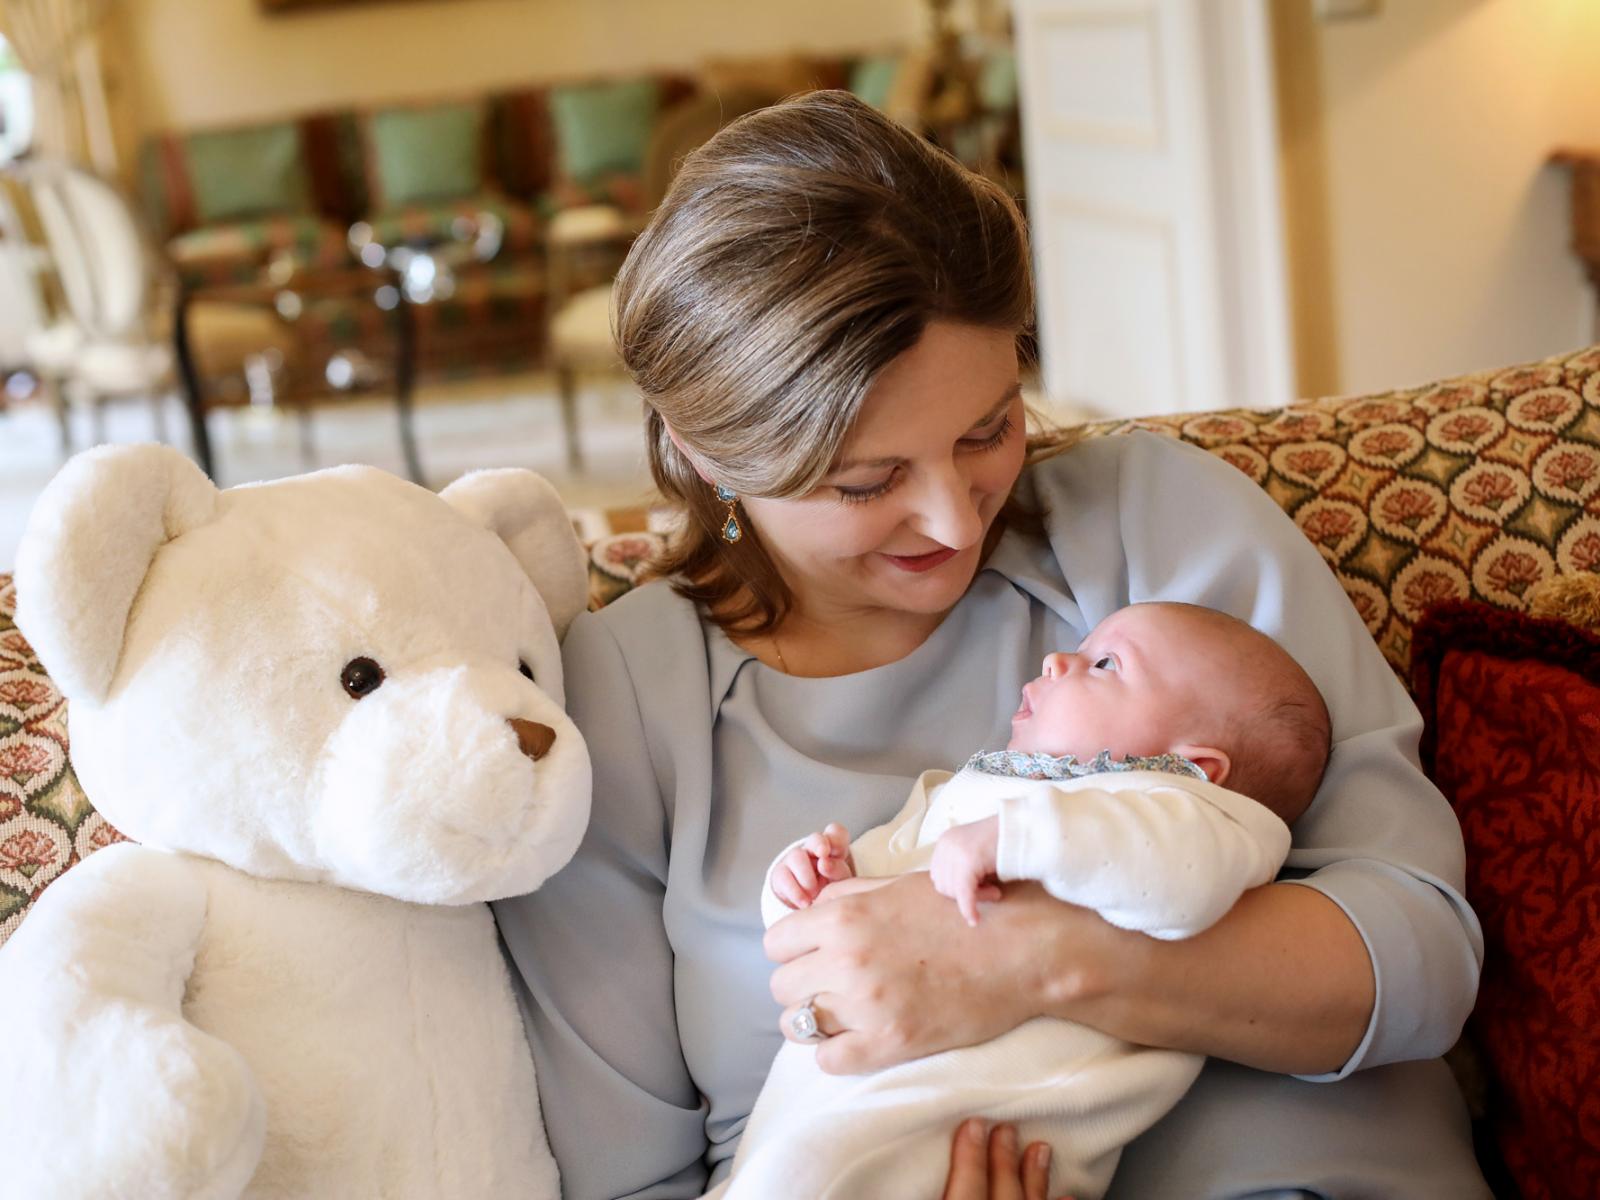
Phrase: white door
pixel 1154 203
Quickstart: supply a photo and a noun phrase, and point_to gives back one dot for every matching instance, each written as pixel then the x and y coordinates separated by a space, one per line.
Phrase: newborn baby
pixel 1151 775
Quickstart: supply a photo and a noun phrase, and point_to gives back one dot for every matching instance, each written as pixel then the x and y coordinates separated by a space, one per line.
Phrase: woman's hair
pixel 797 253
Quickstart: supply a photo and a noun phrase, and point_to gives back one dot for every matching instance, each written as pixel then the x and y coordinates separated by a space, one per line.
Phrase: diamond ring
pixel 803 1024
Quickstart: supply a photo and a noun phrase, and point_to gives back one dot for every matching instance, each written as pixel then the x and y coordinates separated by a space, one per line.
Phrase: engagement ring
pixel 804 1023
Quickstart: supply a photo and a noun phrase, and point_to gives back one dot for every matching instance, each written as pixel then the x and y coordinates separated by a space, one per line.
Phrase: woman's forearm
pixel 1282 983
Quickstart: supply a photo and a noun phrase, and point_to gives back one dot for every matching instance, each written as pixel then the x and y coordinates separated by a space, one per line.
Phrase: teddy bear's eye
pixel 527 671
pixel 361 677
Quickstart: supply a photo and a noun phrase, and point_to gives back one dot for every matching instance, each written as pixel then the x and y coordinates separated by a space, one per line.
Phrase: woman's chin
pixel 930 591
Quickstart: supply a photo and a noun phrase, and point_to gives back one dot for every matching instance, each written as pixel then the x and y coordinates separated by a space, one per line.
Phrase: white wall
pixel 211 62
pixel 1427 235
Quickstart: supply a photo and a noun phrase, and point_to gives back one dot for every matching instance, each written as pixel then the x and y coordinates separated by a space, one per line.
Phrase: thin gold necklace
pixel 778 650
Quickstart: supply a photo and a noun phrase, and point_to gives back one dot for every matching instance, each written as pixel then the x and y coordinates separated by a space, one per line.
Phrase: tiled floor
pixel 502 422
pixel 508 421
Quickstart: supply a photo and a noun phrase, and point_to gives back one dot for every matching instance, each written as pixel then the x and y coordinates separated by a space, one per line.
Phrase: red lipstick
pixel 922 562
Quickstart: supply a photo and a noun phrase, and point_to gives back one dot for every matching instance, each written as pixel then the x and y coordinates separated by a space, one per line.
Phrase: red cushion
pixel 1512 706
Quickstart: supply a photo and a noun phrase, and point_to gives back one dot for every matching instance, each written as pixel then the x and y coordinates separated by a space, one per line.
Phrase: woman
pixel 822 318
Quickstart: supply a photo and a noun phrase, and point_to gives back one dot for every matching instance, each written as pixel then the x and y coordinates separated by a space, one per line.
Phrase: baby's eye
pixel 1107 662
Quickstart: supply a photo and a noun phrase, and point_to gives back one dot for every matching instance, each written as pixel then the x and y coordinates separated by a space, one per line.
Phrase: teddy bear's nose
pixel 533 738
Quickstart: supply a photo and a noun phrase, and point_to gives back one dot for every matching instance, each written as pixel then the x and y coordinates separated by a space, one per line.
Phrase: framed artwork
pixel 289 6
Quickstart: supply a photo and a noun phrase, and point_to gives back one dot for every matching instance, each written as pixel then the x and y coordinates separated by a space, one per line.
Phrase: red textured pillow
pixel 1512 706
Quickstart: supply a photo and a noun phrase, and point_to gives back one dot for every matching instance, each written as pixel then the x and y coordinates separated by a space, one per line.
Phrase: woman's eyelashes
pixel 978 444
pixel 860 495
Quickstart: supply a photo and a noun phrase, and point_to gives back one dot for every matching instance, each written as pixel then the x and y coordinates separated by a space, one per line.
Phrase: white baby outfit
pixel 1146 844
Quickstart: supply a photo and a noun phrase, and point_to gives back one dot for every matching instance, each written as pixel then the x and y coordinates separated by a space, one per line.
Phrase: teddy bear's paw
pixel 157 1109
pixel 203 1108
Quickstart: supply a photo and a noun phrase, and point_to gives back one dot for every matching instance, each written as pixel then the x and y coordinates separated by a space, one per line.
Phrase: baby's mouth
pixel 1024 709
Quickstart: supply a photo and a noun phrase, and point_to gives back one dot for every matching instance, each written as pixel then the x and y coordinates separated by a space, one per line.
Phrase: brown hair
pixel 1280 743
pixel 797 253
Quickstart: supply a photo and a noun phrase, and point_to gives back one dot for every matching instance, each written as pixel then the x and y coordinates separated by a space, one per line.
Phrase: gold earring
pixel 731 532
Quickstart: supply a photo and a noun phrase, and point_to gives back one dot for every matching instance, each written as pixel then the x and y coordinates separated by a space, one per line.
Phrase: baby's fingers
pixel 786 889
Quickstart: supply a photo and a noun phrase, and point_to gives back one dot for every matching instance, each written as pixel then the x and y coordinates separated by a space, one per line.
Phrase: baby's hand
pixel 964 865
pixel 821 859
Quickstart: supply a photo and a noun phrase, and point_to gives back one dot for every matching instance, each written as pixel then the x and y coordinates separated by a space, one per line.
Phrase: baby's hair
pixel 1280 747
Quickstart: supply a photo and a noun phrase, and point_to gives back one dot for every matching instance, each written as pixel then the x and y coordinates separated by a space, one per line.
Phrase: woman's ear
pixel 1215 763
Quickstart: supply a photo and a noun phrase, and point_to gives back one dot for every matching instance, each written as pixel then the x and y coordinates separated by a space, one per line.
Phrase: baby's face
pixel 1142 683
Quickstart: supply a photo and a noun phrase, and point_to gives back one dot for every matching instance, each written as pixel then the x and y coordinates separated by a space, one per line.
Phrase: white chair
pixel 115 340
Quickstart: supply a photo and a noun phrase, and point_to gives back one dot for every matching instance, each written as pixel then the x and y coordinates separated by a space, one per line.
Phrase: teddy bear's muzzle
pixel 533 739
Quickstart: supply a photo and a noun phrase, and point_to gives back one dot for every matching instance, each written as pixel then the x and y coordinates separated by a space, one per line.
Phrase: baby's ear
pixel 1214 762
pixel 90 540
pixel 525 512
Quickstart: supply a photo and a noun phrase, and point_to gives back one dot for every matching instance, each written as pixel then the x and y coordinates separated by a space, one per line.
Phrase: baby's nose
pixel 1056 664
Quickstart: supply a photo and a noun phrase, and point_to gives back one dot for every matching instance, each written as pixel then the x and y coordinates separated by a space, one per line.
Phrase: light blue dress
pixel 642 976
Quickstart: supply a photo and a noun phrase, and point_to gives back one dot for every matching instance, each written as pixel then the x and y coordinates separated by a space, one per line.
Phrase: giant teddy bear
pixel 328 710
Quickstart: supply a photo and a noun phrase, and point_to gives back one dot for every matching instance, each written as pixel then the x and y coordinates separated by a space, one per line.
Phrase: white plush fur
pixel 290 987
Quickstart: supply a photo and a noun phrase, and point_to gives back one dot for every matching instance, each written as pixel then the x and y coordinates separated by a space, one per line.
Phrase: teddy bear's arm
pixel 116 1093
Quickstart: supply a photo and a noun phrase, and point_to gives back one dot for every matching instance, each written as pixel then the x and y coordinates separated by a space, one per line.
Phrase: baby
pixel 1151 775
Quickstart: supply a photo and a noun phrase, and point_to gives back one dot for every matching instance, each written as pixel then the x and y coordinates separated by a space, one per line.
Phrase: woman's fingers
pixel 827 1022
pixel 1005 1164
pixel 969 1163
pixel 1036 1172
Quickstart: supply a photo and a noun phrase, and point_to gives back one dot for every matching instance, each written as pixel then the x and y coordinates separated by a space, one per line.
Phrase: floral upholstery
pixel 496 310
pixel 1476 488
pixel 46 822
pixel 438 221
pixel 236 252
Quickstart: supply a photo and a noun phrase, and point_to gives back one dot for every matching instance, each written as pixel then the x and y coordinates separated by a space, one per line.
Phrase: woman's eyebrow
pixel 1001 405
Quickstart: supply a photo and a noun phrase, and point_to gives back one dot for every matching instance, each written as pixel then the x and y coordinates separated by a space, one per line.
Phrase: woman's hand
pixel 895 973
pixel 986 1166
pixel 1282 983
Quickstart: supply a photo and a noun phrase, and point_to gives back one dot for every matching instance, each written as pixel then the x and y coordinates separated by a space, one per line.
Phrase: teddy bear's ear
pixel 523 509
pixel 89 543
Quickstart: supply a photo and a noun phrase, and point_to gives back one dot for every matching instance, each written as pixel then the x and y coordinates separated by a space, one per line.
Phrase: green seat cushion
pixel 422 154
pixel 247 172
pixel 872 79
pixel 604 127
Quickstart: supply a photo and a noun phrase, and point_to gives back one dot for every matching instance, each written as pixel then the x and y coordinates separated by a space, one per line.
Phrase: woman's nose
pixel 1056 664
pixel 949 512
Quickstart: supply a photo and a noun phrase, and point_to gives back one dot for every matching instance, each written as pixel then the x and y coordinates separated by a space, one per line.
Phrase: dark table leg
pixel 193 398
pixel 405 374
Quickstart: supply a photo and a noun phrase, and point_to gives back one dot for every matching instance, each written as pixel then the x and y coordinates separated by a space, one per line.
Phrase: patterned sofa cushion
pixel 46 822
pixel 1476 488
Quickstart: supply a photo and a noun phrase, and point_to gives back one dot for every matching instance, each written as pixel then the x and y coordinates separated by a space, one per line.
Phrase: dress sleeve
pixel 594 970
pixel 1379 840
pixel 1164 861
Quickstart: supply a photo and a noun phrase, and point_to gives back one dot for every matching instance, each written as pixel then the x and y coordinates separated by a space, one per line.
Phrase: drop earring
pixel 731 532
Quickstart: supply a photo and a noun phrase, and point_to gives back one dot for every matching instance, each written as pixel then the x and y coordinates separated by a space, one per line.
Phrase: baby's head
pixel 1176 678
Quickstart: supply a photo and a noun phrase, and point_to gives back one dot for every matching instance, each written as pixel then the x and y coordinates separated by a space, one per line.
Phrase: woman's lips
pixel 921 562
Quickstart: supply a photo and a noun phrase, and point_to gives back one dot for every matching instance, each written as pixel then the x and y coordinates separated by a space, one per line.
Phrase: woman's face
pixel 899 522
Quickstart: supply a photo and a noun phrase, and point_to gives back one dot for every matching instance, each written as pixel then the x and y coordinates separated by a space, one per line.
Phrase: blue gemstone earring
pixel 731 532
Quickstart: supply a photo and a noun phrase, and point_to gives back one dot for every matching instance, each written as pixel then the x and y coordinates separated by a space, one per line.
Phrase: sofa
pixel 480 175
pixel 1444 511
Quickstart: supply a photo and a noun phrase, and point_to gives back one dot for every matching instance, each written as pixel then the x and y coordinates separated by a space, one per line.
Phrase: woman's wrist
pixel 1072 961
pixel 1282 983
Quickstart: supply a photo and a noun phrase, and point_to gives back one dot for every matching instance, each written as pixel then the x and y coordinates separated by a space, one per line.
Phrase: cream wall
pixel 211 62
pixel 1427 237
